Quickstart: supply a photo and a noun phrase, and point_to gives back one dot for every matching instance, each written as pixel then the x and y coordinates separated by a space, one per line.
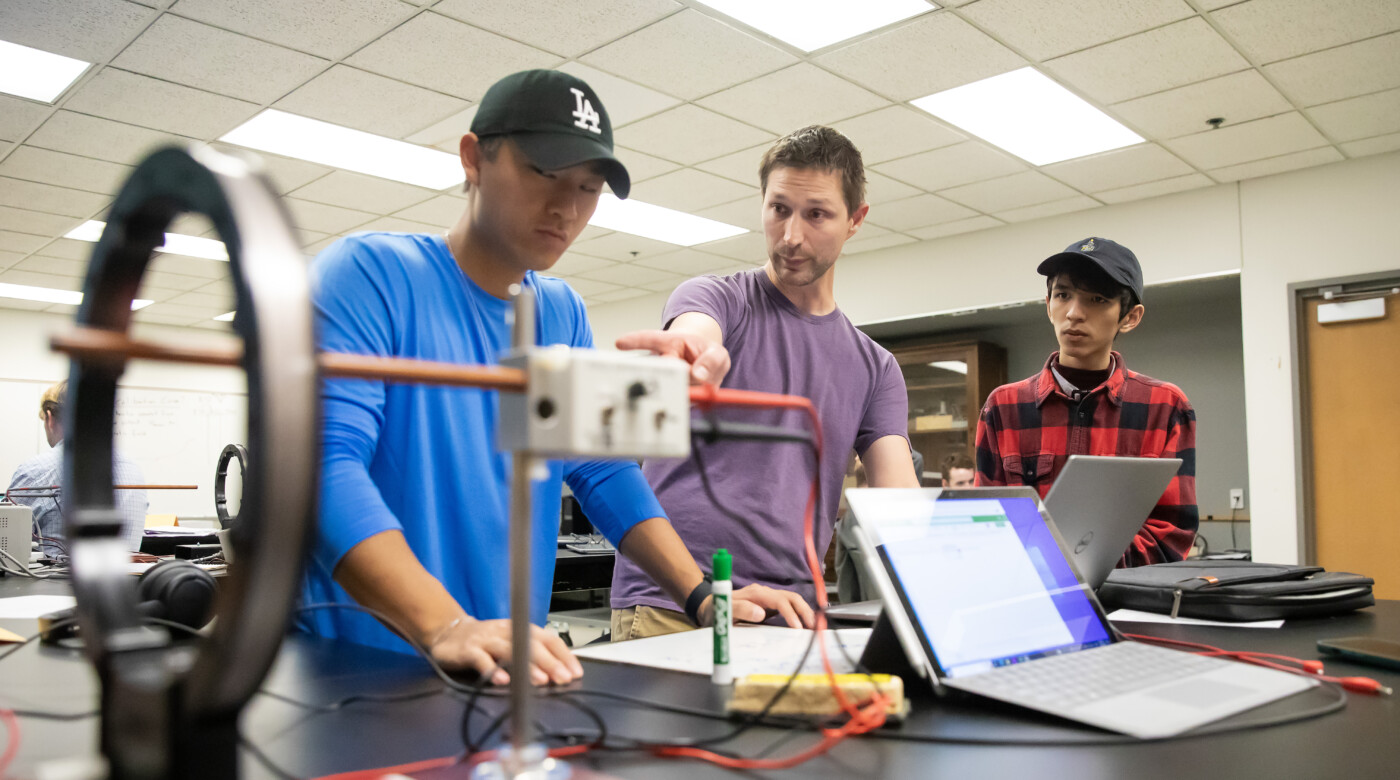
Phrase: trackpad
pixel 1199 693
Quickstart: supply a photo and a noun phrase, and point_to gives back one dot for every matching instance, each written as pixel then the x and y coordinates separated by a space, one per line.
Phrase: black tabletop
pixel 941 738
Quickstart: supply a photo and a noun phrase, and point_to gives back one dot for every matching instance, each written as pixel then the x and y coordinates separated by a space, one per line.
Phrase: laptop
pixel 1099 503
pixel 980 596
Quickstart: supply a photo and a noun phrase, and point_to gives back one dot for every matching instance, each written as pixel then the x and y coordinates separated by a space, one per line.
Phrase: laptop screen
pixel 983 578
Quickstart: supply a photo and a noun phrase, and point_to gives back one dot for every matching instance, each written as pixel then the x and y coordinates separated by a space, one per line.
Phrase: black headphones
pixel 230 452
pixel 178 591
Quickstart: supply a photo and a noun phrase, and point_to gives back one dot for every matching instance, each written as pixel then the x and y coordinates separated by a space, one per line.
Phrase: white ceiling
pixel 695 98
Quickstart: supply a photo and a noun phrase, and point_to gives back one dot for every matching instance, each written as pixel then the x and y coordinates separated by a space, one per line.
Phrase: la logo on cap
pixel 1088 247
pixel 585 116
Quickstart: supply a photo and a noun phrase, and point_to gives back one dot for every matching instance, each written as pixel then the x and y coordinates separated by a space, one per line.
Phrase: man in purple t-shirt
pixel 775 329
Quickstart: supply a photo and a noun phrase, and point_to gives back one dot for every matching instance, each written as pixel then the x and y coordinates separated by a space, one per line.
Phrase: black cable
pixel 339 704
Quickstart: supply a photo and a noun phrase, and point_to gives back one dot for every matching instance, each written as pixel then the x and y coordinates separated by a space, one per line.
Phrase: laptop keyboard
pixel 1074 679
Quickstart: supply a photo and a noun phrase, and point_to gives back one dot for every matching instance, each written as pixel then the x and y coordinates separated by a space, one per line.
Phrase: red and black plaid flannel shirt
pixel 1028 430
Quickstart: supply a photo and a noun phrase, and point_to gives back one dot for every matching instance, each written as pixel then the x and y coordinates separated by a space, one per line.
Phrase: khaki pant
pixel 642 621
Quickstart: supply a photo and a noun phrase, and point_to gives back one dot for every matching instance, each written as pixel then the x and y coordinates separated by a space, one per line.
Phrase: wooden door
pixel 1353 392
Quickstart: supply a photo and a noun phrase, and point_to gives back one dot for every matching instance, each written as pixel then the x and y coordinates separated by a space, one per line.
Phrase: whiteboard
pixel 175 436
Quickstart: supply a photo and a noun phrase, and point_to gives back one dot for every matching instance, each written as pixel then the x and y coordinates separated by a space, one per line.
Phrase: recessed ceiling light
pixel 658 222
pixel 1029 115
pixel 25 292
pixel 175 243
pixel 34 74
pixel 353 150
pixel 812 24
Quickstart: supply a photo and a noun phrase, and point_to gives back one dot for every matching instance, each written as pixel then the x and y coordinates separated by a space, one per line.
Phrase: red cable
pixel 11 728
pixel 1306 668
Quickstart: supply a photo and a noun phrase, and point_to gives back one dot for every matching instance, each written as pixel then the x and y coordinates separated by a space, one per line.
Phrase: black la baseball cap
pixel 556 119
pixel 1113 258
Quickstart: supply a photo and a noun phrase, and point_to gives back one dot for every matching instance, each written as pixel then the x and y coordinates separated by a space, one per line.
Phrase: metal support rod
pixel 521 537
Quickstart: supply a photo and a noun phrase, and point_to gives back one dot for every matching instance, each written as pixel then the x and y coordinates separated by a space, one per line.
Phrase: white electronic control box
pixel 16 529
pixel 584 402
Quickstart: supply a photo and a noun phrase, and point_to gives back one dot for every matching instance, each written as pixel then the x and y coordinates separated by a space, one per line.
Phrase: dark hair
pixel 490 148
pixel 957 460
pixel 823 149
pixel 1084 275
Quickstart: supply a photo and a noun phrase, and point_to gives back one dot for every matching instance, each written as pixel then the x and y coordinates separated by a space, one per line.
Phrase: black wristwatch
pixel 696 598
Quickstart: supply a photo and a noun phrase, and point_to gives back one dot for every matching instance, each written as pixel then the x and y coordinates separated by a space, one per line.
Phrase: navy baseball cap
pixel 556 119
pixel 1113 258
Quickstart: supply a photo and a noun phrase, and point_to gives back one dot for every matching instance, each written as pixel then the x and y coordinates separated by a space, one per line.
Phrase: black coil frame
pixel 231 453
pixel 154 689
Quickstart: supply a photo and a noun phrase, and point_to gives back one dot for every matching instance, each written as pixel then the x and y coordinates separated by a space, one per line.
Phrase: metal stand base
pixel 531 763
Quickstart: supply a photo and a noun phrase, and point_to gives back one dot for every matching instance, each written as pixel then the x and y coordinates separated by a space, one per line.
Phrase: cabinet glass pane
pixel 938 419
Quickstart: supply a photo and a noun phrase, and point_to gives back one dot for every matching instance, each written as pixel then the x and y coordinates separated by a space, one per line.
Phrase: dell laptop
pixel 980 596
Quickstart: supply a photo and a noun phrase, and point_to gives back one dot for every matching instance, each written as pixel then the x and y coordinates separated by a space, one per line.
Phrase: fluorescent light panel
pixel 225 317
pixel 1029 115
pixel 34 74
pixel 813 24
pixel 175 243
pixel 353 150
pixel 658 222
pixel 25 292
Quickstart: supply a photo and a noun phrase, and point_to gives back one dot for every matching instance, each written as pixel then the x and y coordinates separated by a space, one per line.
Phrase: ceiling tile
pixel 622 247
pixel 918 211
pixel 1271 30
pixel 896 131
pixel 686 262
pixel 869 229
pixel 1153 189
pixel 931 54
pixel 88 30
pixel 744 213
pixel 689 134
pixel 1211 5
pixel 1359 117
pixel 215 60
pixel 1009 192
pixel 312 250
pixel 1286 162
pixel 574 263
pixel 364 193
pixel 204 300
pixel 209 270
pixel 1238 97
pixel 748 248
pixel 1054 207
pixel 160 105
pixel 952 166
pixel 740 166
pixel 32 279
pixel 589 287
pixel 308 237
pixel 46 197
pixel 1343 72
pixel 369 102
pixel 68 249
pixel 10 259
pixel 427 51
pixel 156 315
pixel 397 225
pixel 286 173
pixel 64 170
pixel 858 245
pixel 443 211
pixel 37 222
pixel 446 134
pixel 1118 168
pixel 783 101
pixel 690 190
pixel 628 275
pixel 689 55
pixel 325 219
pixel 565 27
pixel 103 139
pixel 1377 145
pixel 628 293
pixel 625 101
pixel 1249 141
pixel 51 265
pixel 1043 30
pixel 14 303
pixel 305 25
pixel 18 117
pixel 1163 58
pixel 881 189
pixel 643 166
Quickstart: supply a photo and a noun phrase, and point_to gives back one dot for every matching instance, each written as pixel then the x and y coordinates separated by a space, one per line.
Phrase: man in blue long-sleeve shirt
pixel 414 493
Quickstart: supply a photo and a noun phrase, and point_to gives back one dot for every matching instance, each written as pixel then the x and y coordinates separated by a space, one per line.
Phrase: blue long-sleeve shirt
pixel 423 459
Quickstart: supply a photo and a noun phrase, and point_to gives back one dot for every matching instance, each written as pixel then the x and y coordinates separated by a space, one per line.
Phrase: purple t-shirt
pixel 859 394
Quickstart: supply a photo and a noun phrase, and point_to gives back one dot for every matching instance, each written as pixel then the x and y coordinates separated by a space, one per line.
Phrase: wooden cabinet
pixel 948 382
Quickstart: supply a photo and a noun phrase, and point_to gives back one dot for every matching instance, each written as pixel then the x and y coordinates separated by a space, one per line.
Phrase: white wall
pixel 1329 221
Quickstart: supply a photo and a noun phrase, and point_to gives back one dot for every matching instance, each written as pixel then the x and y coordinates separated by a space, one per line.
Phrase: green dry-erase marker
pixel 721 566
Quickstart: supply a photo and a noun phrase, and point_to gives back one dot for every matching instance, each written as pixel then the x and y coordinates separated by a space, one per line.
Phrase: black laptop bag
pixel 1236 590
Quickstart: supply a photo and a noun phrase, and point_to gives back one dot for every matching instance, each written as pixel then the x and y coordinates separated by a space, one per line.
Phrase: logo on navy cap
pixel 1087 247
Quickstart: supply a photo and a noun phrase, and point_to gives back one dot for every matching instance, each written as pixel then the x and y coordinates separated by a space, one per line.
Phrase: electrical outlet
pixel 584 402
pixel 1237 498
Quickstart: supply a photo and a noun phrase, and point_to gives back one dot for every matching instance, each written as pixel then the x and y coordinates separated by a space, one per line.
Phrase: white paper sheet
pixel 33 606
pixel 752 650
pixel 1134 616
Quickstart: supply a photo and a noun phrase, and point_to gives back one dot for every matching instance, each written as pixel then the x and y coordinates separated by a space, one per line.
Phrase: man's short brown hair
pixel 823 149
pixel 53 400
pixel 956 460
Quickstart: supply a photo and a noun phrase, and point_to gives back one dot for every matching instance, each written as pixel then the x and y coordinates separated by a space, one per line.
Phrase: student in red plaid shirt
pixel 1085 401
